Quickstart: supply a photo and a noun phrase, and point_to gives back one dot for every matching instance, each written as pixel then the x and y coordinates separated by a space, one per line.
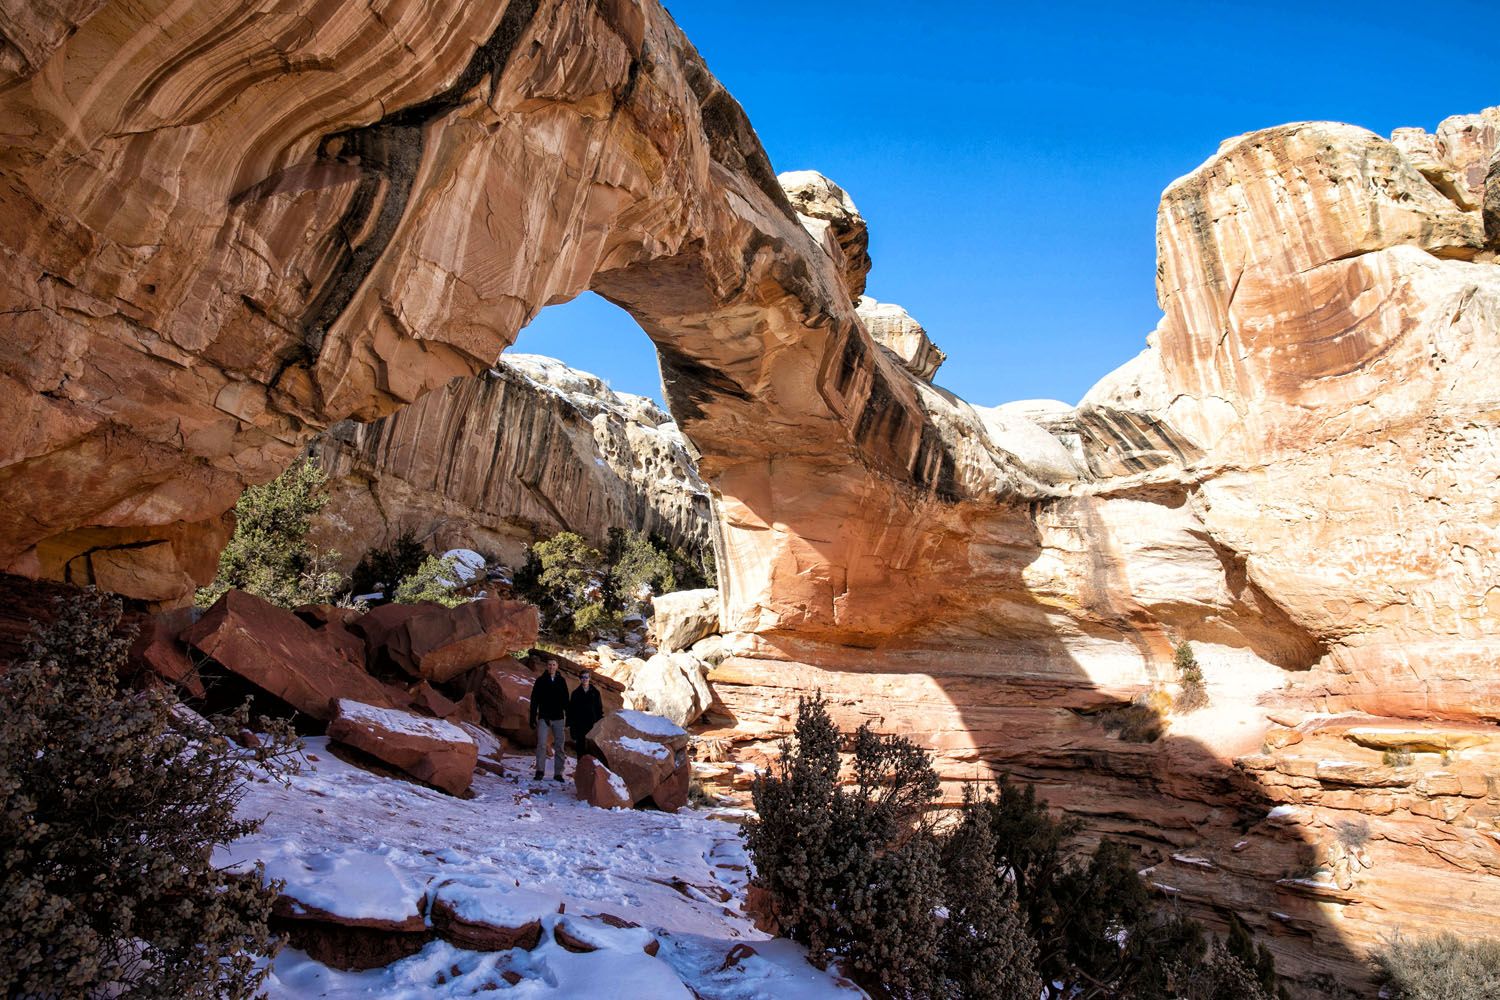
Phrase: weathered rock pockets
pixel 496 461
pixel 1297 474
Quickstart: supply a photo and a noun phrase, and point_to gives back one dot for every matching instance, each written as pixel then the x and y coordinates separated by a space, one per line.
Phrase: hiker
pixel 584 709
pixel 549 708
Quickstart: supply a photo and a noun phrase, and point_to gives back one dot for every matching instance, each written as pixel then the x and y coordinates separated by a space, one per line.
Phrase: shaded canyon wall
pixel 226 229
pixel 496 461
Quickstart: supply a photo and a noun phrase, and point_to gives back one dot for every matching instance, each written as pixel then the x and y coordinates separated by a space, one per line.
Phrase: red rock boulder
pixel 502 690
pixel 344 942
pixel 429 700
pixel 597 785
pixel 280 653
pixel 436 643
pixel 431 750
pixel 334 624
pixel 672 794
pixel 645 751
pixel 158 650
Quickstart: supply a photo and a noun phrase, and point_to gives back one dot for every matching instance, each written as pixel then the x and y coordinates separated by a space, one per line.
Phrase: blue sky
pixel 1009 156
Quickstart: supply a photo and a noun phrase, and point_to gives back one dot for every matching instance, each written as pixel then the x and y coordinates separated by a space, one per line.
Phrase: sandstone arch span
pixel 226 226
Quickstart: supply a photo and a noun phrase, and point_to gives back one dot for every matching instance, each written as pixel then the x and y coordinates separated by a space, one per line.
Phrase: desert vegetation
pixel 1439 967
pixel 1002 902
pixel 269 555
pixel 583 592
pixel 113 801
pixel 1192 692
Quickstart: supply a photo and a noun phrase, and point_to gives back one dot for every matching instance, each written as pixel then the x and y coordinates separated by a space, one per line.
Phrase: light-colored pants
pixel 555 727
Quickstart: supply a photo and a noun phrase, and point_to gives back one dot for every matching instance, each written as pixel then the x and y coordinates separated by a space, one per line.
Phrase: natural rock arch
pixel 225 228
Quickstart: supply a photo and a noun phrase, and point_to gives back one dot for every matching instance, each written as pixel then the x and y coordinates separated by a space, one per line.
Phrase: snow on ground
pixel 358 844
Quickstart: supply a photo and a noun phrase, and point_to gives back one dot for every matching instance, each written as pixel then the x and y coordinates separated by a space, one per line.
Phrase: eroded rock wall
pixel 226 229
pixel 495 461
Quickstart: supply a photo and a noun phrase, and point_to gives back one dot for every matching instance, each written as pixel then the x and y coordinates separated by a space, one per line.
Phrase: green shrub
pixel 1192 693
pixel 269 555
pixel 1440 967
pixel 637 570
pixel 1095 921
pixel 432 581
pixel 563 576
pixel 987 952
pixel 389 566
pixel 112 806
pixel 858 874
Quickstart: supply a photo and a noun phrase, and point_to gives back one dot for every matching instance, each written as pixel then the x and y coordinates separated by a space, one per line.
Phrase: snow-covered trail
pixel 361 845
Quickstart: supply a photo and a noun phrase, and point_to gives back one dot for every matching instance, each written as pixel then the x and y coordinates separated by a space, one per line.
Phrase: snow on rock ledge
pixel 432 750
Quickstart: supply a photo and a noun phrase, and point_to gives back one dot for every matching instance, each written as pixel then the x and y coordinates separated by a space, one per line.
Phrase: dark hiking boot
pixel 538 776
pixel 558 777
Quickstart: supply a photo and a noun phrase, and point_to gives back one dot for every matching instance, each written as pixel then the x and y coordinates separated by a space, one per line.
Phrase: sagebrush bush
pixel 269 555
pixel 431 581
pixel 1440 967
pixel 1398 757
pixel 111 805
pixel 1144 720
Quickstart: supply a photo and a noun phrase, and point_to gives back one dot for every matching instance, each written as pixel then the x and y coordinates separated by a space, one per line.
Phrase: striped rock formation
pixel 227 228
pixel 495 461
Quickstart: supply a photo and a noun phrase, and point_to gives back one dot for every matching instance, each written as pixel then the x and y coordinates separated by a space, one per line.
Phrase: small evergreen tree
pixel 1257 959
pixel 637 567
pixel 269 555
pixel 390 565
pixel 1193 694
pixel 565 577
pixel 432 581
pixel 857 873
pixel 987 953
pixel 1097 928
pixel 1221 975
pixel 110 808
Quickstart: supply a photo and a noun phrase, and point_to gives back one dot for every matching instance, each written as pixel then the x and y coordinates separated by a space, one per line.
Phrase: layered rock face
pixel 522 451
pixel 226 230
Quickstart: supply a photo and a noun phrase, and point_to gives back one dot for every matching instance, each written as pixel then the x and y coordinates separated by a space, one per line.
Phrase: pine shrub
pixel 987 952
pixel 1096 924
pixel 431 581
pixel 269 555
pixel 1220 975
pixel 113 802
pixel 563 576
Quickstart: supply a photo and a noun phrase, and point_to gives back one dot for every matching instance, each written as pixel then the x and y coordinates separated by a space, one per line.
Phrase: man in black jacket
pixel 584 709
pixel 549 707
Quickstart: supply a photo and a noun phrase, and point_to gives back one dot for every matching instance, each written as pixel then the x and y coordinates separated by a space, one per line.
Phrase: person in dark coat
pixel 584 709
pixel 549 709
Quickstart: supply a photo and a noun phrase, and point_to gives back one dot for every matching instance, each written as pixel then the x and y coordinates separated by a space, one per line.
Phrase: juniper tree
pixel 111 806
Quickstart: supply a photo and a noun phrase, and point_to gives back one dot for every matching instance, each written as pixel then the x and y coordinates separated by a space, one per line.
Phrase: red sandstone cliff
pixel 225 230
pixel 493 462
